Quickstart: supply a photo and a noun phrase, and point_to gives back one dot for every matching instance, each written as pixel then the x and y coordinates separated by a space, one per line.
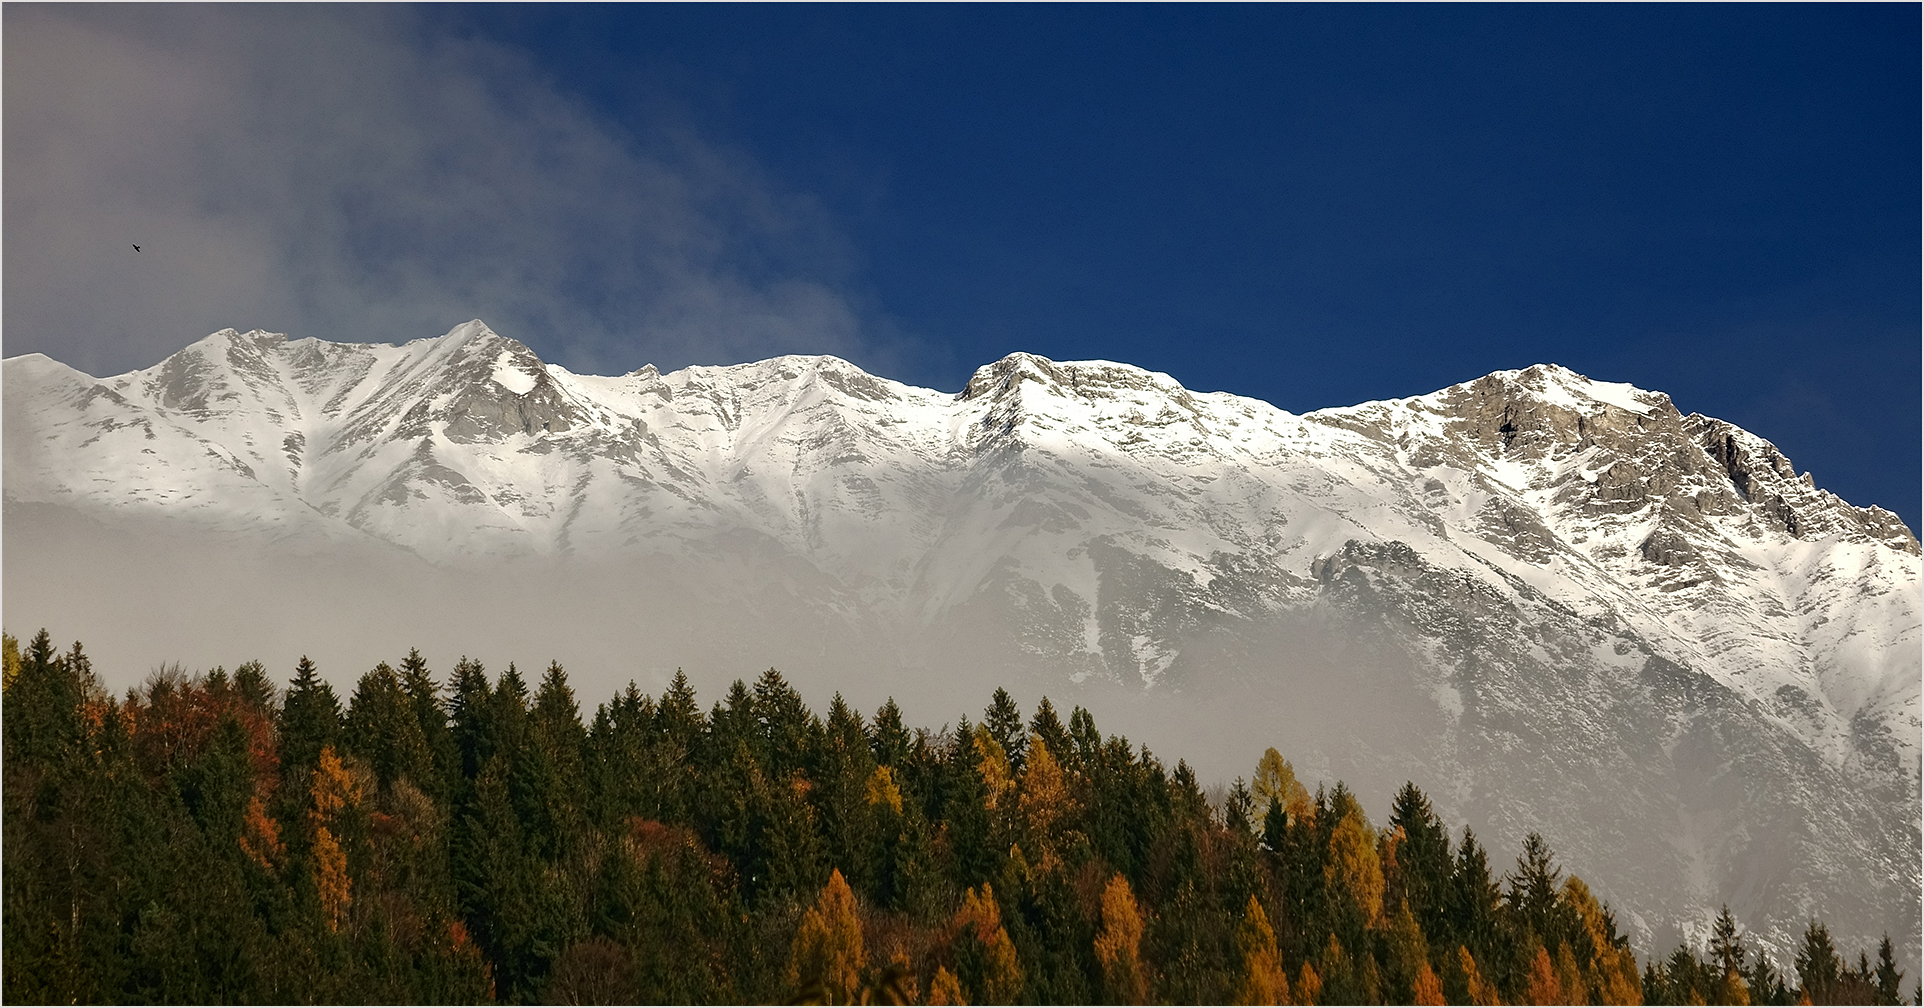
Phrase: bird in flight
pixel 136 247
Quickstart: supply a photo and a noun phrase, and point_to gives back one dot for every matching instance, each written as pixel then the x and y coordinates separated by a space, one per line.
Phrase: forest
pixel 214 837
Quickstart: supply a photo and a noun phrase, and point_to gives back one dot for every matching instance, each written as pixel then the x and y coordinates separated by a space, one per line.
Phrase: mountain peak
pixel 1086 378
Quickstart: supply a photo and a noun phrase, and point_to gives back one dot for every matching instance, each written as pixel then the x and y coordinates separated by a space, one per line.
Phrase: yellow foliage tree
pixel 1611 977
pixel 993 764
pixel 333 793
pixel 260 835
pixel 1119 944
pixel 1542 986
pixel 828 946
pixel 1000 980
pixel 945 989
pixel 1276 778
pixel 1043 798
pixel 1264 982
pixel 9 661
pixel 1481 991
pixel 1353 867
pixel 1568 976
pixel 1309 986
pixel 881 790
pixel 1429 990
pixel 331 879
pixel 334 790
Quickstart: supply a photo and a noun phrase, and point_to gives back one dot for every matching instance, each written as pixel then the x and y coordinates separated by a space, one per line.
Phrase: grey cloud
pixel 344 172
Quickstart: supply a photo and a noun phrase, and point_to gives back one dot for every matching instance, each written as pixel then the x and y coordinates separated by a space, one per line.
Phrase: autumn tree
pixel 1118 945
pixel 1541 986
pixel 1276 781
pixel 1353 872
pixel 827 951
pixel 1043 801
pixel 1476 989
pixel 1263 979
pixel 1427 989
pixel 334 794
pixel 987 967
pixel 1610 976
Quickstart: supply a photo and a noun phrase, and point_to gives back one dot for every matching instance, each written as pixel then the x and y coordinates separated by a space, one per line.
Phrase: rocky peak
pixel 1006 376
pixel 1548 411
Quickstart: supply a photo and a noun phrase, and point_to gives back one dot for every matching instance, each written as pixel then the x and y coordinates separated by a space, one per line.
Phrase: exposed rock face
pixel 1558 604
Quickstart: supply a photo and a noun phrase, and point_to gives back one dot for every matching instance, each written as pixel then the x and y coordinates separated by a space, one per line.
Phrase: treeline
pixel 214 838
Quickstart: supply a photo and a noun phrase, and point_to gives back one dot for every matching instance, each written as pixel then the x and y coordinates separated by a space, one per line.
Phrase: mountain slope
pixel 1563 604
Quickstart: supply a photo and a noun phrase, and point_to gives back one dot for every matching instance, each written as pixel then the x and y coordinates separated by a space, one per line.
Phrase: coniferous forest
pixel 214 837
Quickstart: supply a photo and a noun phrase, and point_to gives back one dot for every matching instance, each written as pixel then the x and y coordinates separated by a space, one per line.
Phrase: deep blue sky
pixel 1312 205
pixel 1321 205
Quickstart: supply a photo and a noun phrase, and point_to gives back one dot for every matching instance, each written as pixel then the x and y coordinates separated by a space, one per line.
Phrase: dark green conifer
pixel 310 720
pixel 1889 979
pixel 892 740
pixel 253 687
pixel 1423 859
pixel 1045 725
pixel 1004 721
pixel 1818 966
pixel 382 728
pixel 470 716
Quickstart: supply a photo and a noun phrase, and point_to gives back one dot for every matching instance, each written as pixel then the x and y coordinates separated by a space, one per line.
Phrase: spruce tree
pixel 253 687
pixel 1474 899
pixel 1423 858
pixel 310 720
pixel 1818 966
pixel 470 716
pixel 382 728
pixel 1890 979
pixel 1003 719
pixel 431 715
pixel 891 739
pixel 1047 726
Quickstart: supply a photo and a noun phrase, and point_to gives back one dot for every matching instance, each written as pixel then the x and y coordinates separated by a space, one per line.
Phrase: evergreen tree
pixel 1423 860
pixel 788 736
pixel 253 687
pixel 471 717
pixel 1819 969
pixel 1473 898
pixel 1003 720
pixel 1532 891
pixel 841 795
pixel 1726 944
pixel 1045 725
pixel 1890 979
pixel 431 716
pixel 383 728
pixel 310 719
pixel 1765 984
pixel 891 739
pixel 43 705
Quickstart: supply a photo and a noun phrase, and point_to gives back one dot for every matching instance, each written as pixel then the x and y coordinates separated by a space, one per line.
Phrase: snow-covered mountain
pixel 1558 604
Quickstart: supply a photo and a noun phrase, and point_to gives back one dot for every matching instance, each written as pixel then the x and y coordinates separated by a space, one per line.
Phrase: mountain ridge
pixel 1469 554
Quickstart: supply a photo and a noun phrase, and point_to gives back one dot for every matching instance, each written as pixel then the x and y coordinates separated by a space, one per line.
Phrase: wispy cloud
pixel 346 172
